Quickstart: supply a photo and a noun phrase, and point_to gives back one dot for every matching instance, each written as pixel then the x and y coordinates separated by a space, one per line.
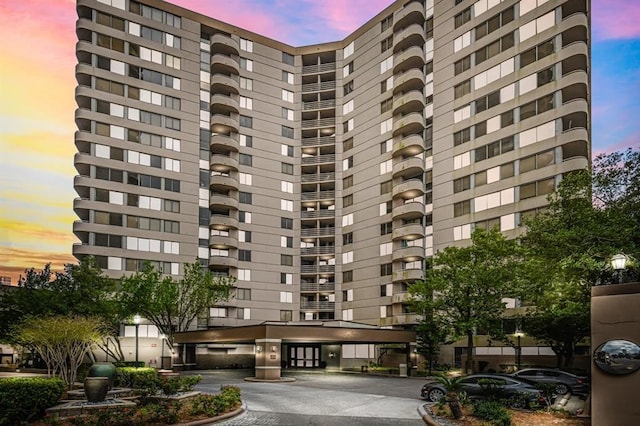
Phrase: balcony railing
pixel 317 213
pixel 317 232
pixel 323 122
pixel 317 287
pixel 317 305
pixel 317 87
pixel 330 103
pixel 316 159
pixel 327 140
pixel 316 68
pixel 315 269
pixel 320 195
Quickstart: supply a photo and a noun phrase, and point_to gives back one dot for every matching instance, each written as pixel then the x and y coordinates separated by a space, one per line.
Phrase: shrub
pixel 23 398
pixel 173 385
pixel 493 412
pixel 145 379
pixel 214 405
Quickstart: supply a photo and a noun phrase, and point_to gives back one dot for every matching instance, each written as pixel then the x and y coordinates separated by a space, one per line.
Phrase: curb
pixel 426 418
pixel 215 419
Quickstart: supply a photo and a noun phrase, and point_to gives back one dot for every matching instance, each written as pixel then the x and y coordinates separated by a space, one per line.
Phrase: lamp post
pixel 162 339
pixel 519 335
pixel 136 321
pixel 619 262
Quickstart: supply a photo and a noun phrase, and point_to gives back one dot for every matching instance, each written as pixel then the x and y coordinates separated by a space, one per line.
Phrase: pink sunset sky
pixel 37 60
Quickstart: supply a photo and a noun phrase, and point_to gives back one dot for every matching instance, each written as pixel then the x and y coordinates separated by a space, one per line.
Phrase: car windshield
pixel 525 380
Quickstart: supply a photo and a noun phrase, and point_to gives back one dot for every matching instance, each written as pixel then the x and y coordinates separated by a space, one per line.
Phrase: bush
pixel 493 412
pixel 23 398
pixel 145 379
pixel 214 405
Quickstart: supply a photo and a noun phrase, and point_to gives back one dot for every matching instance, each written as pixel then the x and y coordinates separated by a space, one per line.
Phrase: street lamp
pixel 162 339
pixel 136 321
pixel 618 263
pixel 518 335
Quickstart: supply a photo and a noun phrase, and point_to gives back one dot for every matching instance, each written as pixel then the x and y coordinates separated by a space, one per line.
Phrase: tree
pixel 591 216
pixel 80 289
pixel 62 341
pixel 465 287
pixel 172 305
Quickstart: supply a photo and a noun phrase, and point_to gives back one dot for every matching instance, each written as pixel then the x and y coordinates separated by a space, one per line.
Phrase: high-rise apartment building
pixel 321 176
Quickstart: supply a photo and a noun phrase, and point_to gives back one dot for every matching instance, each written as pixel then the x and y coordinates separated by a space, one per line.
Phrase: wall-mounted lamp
pixel 618 263
pixel 332 355
pixel 258 349
pixel 274 348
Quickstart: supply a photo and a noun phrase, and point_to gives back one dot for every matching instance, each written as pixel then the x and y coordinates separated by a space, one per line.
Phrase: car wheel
pixel 561 389
pixel 435 395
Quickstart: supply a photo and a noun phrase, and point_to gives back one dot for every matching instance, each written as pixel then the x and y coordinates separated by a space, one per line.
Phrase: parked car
pixel 521 392
pixel 565 382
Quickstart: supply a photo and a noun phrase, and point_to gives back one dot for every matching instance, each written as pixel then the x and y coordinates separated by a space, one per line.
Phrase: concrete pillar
pixel 268 359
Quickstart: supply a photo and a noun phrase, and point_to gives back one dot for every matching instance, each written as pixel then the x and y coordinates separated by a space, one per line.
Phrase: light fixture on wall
pixel 258 349
pixel 618 263
pixel 332 355
pixel 274 348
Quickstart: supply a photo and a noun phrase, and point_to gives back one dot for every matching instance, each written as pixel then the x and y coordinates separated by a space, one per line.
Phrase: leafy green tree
pixel 465 287
pixel 80 289
pixel 592 215
pixel 62 341
pixel 173 305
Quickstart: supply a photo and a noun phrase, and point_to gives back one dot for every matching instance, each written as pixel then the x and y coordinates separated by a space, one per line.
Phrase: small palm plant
pixel 452 386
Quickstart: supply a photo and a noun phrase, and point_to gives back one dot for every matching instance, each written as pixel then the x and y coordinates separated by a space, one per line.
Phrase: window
pixel 536 107
pixel 495 22
pixel 462 208
pixel 245 197
pixel 287 132
pixel 386 105
pixel 244 236
pixel 462 65
pixel 539 188
pixel 347 238
pixel 286 315
pixel 347 163
pixel 347 144
pixel 286 241
pixel 287 58
pixel 348 88
pixel 287 168
pixel 348 50
pixel 386 65
pixel 286 260
pixel 488 101
pixel 244 255
pixel 462 184
pixel 246 45
pixel 386 85
pixel 385 208
pixel 246 103
pixel 243 293
pixel 347 182
pixel 246 141
pixel 386 44
pixel 493 149
pixel 286 223
pixel 536 53
pixel 246 64
pixel 287 95
pixel 386 23
pixel 347 276
pixel 462 136
pixel 347 107
pixel 287 114
pixel 246 121
pixel 386 146
pixel 347 201
pixel 385 270
pixel 347 126
pixel 347 70
pixel 386 228
pixel 385 187
pixel 245 159
pixel 169 184
pixel 246 83
pixel 462 89
pixel 462 17
pixel 244 217
pixel 494 48
pixel 287 77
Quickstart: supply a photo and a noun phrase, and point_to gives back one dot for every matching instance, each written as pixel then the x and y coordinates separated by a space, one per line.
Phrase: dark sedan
pixel 519 391
pixel 564 382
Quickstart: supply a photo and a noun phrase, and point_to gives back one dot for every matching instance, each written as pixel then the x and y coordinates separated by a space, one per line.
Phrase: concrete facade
pixel 321 176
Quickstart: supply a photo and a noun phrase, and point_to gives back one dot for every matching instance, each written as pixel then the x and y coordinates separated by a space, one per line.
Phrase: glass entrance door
pixel 304 356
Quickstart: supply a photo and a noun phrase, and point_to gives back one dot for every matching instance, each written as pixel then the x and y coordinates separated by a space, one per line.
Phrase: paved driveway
pixel 322 399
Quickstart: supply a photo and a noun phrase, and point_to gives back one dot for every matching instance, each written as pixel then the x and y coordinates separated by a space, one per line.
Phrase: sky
pixel 37 83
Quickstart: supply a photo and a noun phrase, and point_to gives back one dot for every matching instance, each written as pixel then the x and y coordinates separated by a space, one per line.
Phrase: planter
pixel 103 369
pixel 96 388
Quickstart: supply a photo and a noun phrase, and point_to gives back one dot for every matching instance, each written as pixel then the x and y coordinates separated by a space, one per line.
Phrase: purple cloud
pixel 615 19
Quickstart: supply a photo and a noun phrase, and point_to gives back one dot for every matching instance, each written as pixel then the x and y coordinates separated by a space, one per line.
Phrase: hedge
pixel 22 398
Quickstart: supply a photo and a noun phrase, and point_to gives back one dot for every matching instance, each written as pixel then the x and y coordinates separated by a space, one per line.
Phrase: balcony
pixel 318 232
pixel 318 68
pixel 230 262
pixel 221 43
pixel 319 87
pixel 317 288
pixel 413 79
pixel 408 254
pixel 309 251
pixel 223 124
pixel 400 298
pixel 223 222
pixel 226 142
pixel 405 319
pixel 82 226
pixel 221 62
pixel 407 275
pixel 408 102
pixel 411 13
pixel 318 177
pixel 223 162
pixel 223 201
pixel 408 189
pixel 410 166
pixel 314 214
pixel 310 106
pixel 408 232
pixel 224 104
pixel 317 269
pixel 218 181
pixel 323 122
pixel 319 159
pixel 217 241
pixel 412 210
pixel 317 306
pixel 412 35
pixel 319 195
pixel 408 124
pixel 321 141
pixel 407 146
pixel 412 57
pixel 225 82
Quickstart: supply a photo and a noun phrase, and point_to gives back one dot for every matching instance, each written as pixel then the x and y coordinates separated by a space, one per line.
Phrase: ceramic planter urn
pixel 96 388
pixel 103 369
